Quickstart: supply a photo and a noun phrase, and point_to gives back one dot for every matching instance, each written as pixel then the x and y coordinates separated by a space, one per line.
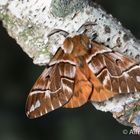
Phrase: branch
pixel 36 26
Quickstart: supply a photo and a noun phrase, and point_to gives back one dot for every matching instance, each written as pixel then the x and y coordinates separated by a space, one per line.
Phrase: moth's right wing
pixel 115 72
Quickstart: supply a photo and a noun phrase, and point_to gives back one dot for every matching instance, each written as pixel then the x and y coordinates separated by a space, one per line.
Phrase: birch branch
pixel 30 23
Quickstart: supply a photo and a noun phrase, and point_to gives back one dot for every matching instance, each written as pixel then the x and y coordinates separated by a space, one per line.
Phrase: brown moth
pixel 82 71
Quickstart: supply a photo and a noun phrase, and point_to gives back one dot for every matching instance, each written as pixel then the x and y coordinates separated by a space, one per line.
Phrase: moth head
pixel 68 45
pixel 78 45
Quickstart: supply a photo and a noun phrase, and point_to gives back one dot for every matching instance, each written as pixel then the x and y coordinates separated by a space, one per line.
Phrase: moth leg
pixel 82 91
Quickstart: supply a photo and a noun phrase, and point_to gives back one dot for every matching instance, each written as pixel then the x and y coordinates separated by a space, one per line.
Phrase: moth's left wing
pixel 54 87
pixel 116 72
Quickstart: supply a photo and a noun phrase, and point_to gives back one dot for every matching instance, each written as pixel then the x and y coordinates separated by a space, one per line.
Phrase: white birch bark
pixel 30 21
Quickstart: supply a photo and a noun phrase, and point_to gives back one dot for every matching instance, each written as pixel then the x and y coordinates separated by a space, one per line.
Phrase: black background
pixel 17 75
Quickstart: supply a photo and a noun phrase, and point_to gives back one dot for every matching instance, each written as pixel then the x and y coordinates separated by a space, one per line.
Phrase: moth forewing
pixel 115 71
pixel 53 89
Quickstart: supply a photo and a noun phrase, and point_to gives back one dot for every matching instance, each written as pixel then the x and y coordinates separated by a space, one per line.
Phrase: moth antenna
pixel 62 32
pixel 84 27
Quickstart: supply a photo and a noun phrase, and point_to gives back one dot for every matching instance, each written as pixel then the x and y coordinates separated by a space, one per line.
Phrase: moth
pixel 82 71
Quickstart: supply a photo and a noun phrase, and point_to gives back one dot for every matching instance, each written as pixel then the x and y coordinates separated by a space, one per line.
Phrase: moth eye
pixel 89 46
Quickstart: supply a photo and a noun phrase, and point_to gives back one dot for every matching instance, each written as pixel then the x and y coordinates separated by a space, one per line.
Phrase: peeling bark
pixel 38 27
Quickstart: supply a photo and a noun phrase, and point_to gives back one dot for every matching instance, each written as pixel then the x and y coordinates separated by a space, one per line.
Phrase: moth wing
pixel 116 72
pixel 82 90
pixel 52 90
pixel 99 92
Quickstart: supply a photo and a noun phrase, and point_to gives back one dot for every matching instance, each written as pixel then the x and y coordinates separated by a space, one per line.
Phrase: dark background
pixel 17 75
